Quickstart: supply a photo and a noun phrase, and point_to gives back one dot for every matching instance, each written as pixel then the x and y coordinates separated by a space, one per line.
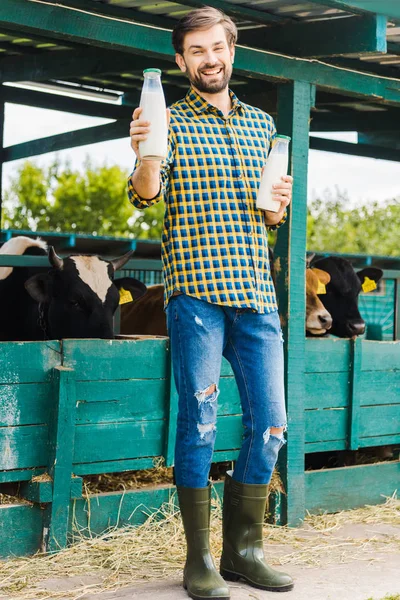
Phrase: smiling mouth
pixel 212 72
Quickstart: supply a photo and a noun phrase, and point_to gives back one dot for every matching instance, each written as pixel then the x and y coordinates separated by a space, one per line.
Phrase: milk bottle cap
pixel 284 137
pixel 152 71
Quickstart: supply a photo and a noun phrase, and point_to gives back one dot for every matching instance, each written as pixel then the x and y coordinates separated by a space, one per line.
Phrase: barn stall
pixel 72 408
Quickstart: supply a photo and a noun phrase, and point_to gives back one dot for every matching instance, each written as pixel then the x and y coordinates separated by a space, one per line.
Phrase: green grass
pixel 388 597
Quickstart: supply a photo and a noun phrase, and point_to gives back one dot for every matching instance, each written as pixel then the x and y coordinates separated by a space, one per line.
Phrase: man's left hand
pixel 282 192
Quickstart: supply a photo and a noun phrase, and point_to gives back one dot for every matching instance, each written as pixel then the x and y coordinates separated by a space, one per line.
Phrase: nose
pixel 325 320
pixel 356 327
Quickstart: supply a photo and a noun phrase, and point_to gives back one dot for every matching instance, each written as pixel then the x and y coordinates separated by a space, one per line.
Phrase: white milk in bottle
pixel 275 168
pixel 152 102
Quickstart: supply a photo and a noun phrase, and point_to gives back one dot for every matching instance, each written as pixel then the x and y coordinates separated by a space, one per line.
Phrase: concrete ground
pixel 351 574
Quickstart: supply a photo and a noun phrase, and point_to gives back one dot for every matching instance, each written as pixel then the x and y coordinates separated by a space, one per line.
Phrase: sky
pixel 364 179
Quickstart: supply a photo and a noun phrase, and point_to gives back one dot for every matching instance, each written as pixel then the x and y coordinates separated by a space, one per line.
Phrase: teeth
pixel 212 72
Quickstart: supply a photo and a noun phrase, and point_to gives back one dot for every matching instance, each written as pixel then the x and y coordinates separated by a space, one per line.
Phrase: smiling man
pixel 219 298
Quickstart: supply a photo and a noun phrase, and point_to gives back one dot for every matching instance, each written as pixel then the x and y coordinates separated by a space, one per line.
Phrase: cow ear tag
pixel 125 296
pixel 368 285
pixel 321 288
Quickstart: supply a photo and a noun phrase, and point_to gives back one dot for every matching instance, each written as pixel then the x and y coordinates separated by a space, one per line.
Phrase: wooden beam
pixel 353 120
pixel 2 114
pixel 41 66
pixel 327 37
pixel 354 149
pixel 382 139
pixel 71 139
pixel 237 11
pixel 390 8
pixel 58 22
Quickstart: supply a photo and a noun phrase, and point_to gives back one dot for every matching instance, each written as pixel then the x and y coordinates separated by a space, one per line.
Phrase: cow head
pixel 341 298
pixel 318 319
pixel 80 296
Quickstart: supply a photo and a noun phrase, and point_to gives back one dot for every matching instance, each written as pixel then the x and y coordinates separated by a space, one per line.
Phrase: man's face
pixel 207 59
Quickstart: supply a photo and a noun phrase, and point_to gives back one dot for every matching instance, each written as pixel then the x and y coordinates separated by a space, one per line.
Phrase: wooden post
pixel 354 409
pixel 2 111
pixel 294 102
pixel 170 435
pixel 61 452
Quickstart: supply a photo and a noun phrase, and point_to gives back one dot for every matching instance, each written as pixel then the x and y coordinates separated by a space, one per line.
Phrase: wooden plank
pixel 238 11
pixel 114 466
pixel 328 355
pixel 23 261
pixel 23 447
pixel 20 530
pixel 229 433
pixel 354 412
pixel 381 356
pixel 229 399
pixel 390 8
pixel 99 360
pixel 20 475
pixel 331 490
pixel 326 425
pixel 61 449
pixel 380 420
pixel 118 441
pixel 28 362
pixel 107 401
pixel 329 37
pixel 61 141
pixel 172 416
pixel 379 387
pixel 226 369
pixel 294 103
pixel 382 440
pixel 327 390
pixel 325 446
pixel 24 404
pixel 367 150
pixel 60 23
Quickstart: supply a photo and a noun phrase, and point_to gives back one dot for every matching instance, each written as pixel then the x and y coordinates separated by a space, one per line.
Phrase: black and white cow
pixel 76 297
pixel 341 297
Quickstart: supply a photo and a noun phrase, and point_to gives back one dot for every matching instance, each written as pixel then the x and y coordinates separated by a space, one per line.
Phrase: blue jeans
pixel 201 333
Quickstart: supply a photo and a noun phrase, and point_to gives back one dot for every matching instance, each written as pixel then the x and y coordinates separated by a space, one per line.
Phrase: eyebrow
pixel 215 44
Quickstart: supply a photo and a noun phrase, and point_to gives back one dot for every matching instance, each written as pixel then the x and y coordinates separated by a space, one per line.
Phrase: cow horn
pixel 55 260
pixel 117 263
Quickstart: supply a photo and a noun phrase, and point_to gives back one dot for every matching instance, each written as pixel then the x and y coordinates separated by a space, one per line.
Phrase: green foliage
pixel 58 198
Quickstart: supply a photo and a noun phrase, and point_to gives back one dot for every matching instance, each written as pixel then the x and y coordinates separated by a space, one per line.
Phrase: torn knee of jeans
pixel 276 432
pixel 203 429
pixel 209 395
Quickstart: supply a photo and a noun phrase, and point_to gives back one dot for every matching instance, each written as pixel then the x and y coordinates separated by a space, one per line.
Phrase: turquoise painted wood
pixel 21 530
pixel 384 7
pixel 331 490
pixel 354 416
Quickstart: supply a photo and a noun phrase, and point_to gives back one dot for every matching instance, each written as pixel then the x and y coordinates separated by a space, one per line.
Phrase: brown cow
pixel 146 316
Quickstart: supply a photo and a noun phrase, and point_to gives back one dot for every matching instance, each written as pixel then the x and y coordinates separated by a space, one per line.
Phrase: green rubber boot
pixel 242 553
pixel 200 577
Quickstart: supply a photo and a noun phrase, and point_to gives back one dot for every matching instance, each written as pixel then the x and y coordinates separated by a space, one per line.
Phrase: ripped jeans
pixel 201 333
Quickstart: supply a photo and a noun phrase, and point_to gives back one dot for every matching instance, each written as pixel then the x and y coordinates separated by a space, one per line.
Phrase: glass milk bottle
pixel 152 102
pixel 275 168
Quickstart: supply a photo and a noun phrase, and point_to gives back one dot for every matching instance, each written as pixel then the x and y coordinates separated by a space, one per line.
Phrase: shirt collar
pixel 200 105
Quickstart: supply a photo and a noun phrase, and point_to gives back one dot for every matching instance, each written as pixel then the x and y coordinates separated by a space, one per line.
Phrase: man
pixel 219 298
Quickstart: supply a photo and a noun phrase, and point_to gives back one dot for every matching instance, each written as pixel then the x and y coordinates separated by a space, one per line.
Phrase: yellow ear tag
pixel 369 285
pixel 125 296
pixel 321 288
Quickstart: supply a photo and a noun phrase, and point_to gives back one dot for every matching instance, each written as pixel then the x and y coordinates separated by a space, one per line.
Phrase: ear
pixel 370 272
pixel 232 53
pixel 136 288
pixel 180 62
pixel 37 287
pixel 323 276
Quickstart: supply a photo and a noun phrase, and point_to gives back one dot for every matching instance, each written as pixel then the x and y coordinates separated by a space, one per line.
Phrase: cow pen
pixel 72 408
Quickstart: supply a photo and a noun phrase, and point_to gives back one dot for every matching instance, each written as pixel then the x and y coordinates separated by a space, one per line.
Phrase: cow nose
pixel 325 320
pixel 356 327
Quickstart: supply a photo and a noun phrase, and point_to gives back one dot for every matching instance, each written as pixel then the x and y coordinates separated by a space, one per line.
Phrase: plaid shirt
pixel 214 242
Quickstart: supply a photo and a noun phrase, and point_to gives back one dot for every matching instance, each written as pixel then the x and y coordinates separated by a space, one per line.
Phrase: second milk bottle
pixel 152 102
pixel 275 168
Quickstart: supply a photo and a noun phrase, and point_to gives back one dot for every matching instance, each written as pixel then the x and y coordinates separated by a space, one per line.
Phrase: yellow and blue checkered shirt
pixel 214 242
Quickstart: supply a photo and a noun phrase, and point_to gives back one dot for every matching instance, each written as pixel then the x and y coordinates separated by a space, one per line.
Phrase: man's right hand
pixel 140 129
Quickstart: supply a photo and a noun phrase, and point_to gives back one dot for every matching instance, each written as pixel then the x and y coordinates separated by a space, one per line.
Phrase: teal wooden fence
pixel 80 407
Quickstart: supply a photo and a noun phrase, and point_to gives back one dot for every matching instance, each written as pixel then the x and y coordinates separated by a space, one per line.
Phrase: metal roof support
pixel 327 37
pixel 390 8
pixel 294 104
pixel 57 22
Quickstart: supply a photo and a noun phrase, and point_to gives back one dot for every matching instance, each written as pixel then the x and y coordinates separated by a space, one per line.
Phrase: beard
pixel 211 85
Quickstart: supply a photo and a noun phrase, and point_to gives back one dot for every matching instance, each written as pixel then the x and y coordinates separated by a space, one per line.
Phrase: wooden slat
pixel 332 490
pixel 329 355
pixel 20 530
pixel 28 362
pixel 23 447
pixel 229 433
pixel 226 369
pixel 327 390
pixel 326 425
pixel 380 420
pixel 383 440
pixel 229 399
pixel 380 356
pixel 325 446
pixel 379 387
pixel 19 475
pixel 25 403
pixel 99 360
pixel 113 466
pixel 354 409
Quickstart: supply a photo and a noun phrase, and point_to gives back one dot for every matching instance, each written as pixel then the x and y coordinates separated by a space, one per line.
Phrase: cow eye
pixel 75 304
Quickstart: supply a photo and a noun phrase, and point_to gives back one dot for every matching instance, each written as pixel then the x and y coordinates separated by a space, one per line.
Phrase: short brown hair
pixel 202 18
